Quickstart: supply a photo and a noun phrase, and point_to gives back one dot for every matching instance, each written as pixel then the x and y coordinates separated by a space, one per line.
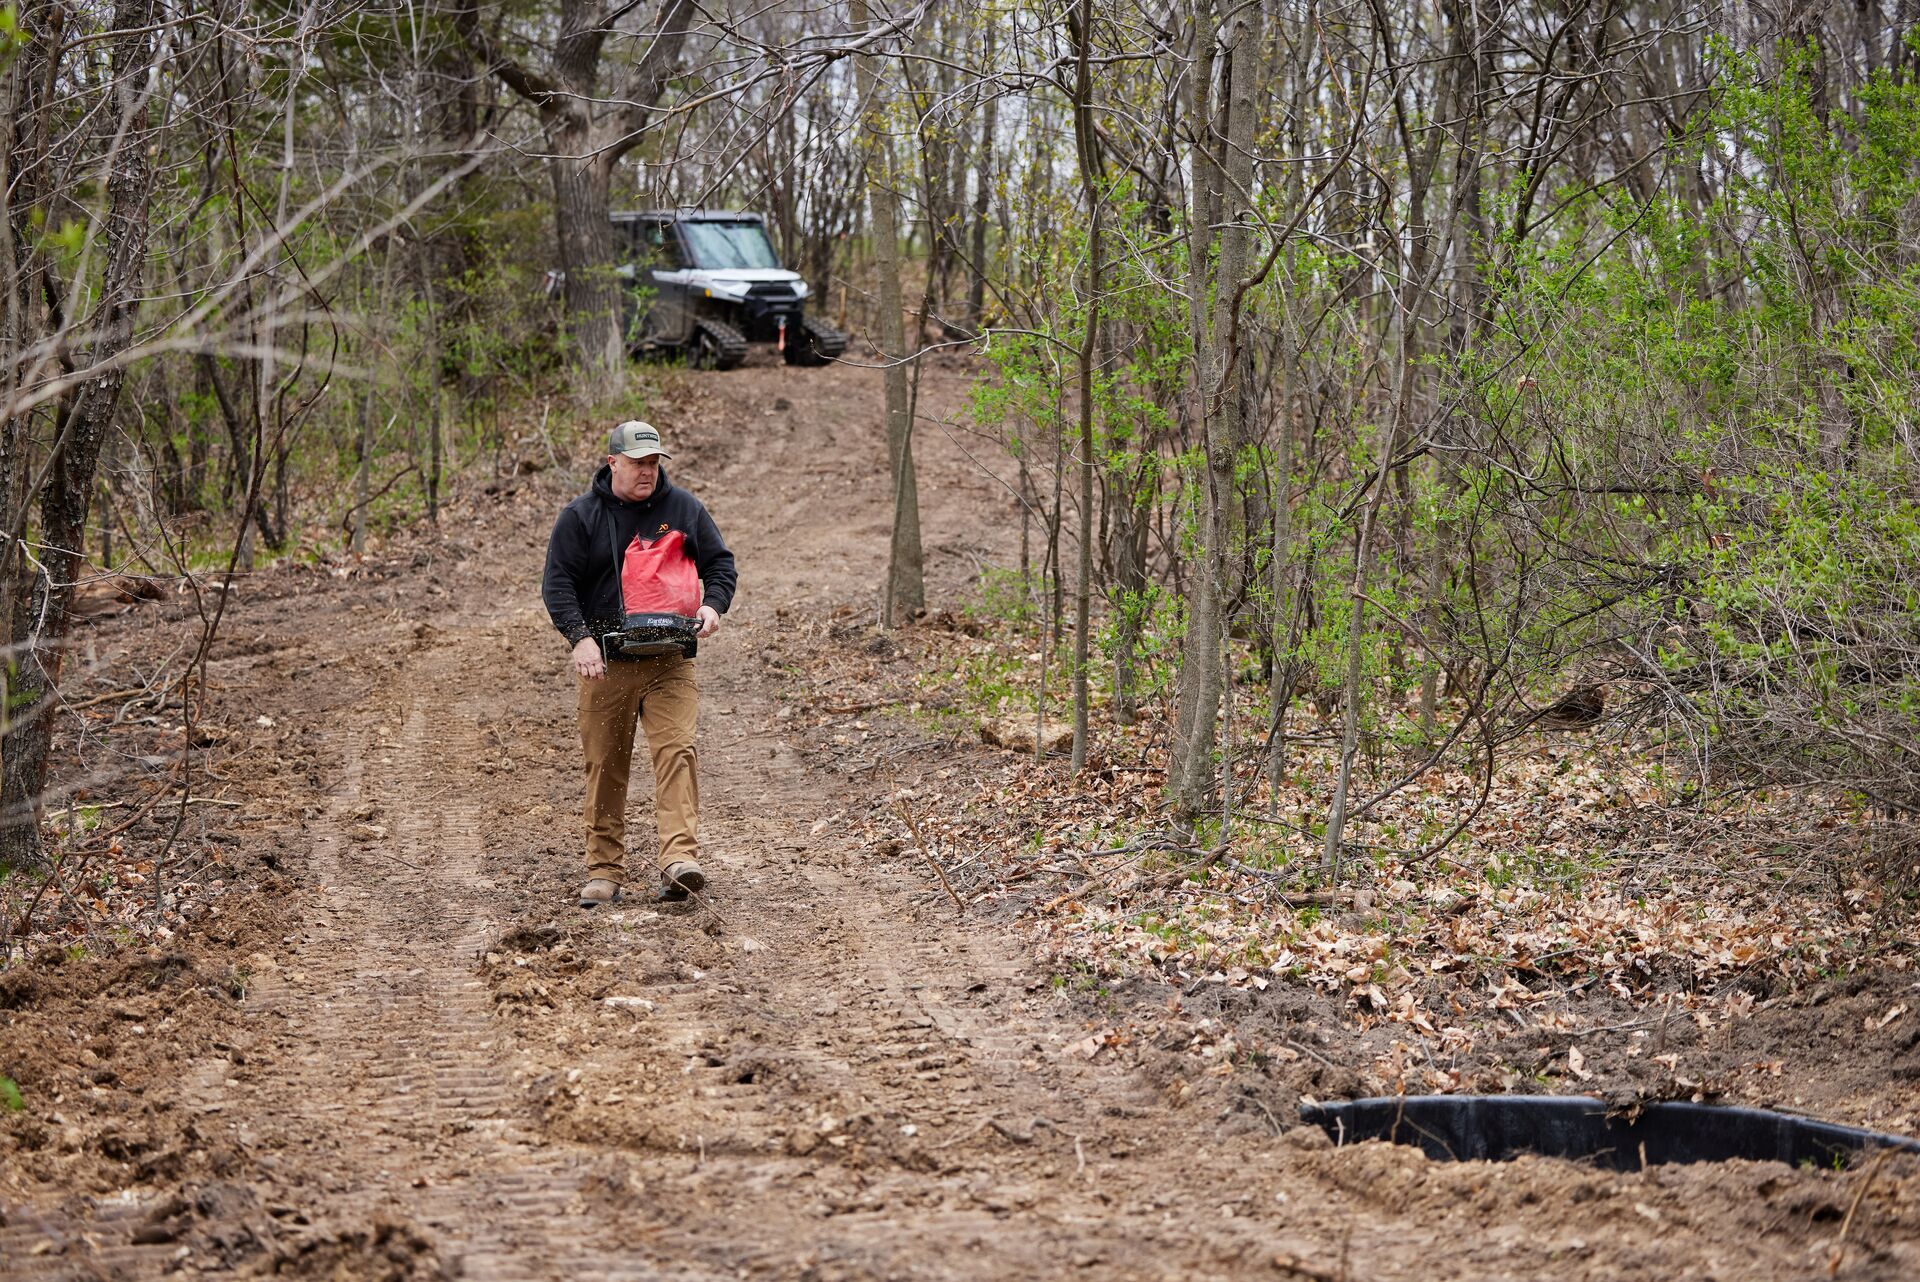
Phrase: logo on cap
pixel 635 440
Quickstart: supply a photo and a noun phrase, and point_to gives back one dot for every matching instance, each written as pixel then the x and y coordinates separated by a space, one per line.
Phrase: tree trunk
pixel 23 256
pixel 1407 304
pixel 1133 517
pixel 362 490
pixel 1091 182
pixel 83 421
pixel 435 446
pixel 1468 307
pixel 1220 370
pixel 982 200
pixel 1283 604
pixel 363 446
pixel 905 591
pixel 583 226
pixel 1199 678
pixel 1332 852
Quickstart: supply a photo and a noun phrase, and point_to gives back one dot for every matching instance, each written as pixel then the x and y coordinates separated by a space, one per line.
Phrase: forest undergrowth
pixel 1589 887
pixel 149 803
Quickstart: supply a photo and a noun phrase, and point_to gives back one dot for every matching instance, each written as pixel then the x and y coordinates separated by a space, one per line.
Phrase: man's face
pixel 634 479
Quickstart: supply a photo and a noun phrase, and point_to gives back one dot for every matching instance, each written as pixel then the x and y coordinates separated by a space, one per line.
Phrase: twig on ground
pixel 1866 1182
pixel 95 701
pixel 121 805
pixel 381 854
pixel 103 841
pixel 711 911
pixel 1304 1049
pixel 1245 901
pixel 913 830
pixel 962 1139
pixel 1628 1027
pixel 1137 849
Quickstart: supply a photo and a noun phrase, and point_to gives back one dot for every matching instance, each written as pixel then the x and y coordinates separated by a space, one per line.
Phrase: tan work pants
pixel 661 695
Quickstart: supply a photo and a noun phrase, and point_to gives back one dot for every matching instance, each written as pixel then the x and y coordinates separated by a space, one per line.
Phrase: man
pixel 634 517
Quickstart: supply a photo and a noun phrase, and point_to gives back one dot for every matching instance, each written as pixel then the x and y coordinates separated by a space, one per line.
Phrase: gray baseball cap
pixel 636 440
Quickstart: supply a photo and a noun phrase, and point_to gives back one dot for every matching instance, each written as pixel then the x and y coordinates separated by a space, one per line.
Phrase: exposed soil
pixel 403 1053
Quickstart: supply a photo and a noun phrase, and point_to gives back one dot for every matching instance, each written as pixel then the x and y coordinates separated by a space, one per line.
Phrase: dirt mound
pixel 388 1250
pixel 1768 1213
pixel 102 1051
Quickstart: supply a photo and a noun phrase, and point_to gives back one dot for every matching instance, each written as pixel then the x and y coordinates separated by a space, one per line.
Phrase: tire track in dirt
pixel 854 1083
pixel 386 1094
pixel 428 1132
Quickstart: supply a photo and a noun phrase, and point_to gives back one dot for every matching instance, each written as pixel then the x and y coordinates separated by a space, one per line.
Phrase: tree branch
pixel 536 89
pixel 647 80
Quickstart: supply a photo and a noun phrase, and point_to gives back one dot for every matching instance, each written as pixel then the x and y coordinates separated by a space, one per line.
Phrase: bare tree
pixel 589 127
pixel 75 331
pixel 1223 169
pixel 1092 175
pixel 905 590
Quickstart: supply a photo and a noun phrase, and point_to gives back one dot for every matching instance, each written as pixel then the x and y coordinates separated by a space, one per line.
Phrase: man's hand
pixel 709 621
pixel 587 659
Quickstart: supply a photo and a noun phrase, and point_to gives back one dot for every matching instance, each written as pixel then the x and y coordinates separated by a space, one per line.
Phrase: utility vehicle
pixel 705 283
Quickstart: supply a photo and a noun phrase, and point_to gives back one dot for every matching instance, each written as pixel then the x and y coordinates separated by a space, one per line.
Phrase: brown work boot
pixel 679 878
pixel 598 891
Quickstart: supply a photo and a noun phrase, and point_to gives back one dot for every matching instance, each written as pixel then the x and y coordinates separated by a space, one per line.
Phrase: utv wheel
pixel 716 345
pixel 816 343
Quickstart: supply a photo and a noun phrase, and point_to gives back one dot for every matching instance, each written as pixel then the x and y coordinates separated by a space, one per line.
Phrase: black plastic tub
pixel 1497 1128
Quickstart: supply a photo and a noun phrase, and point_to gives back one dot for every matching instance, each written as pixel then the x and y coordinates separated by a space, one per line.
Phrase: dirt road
pixel 440 1067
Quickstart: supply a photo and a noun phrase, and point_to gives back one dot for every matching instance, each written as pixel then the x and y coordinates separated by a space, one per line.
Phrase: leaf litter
pixel 1580 902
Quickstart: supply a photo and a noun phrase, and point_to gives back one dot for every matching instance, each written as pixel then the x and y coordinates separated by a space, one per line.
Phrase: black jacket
pixel 582 582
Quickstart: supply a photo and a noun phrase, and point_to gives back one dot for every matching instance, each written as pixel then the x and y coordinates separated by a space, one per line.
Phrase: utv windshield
pixel 718 246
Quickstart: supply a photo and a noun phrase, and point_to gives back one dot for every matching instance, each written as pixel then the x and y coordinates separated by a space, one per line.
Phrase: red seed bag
pixel 658 577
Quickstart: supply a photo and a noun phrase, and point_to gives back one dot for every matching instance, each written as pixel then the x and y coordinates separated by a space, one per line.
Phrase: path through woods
pixel 441 1068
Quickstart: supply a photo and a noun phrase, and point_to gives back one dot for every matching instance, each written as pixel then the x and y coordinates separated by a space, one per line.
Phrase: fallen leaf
pixel 1086 1047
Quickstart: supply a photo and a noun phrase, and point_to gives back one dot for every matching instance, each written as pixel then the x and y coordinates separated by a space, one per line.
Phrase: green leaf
pixel 10 1097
